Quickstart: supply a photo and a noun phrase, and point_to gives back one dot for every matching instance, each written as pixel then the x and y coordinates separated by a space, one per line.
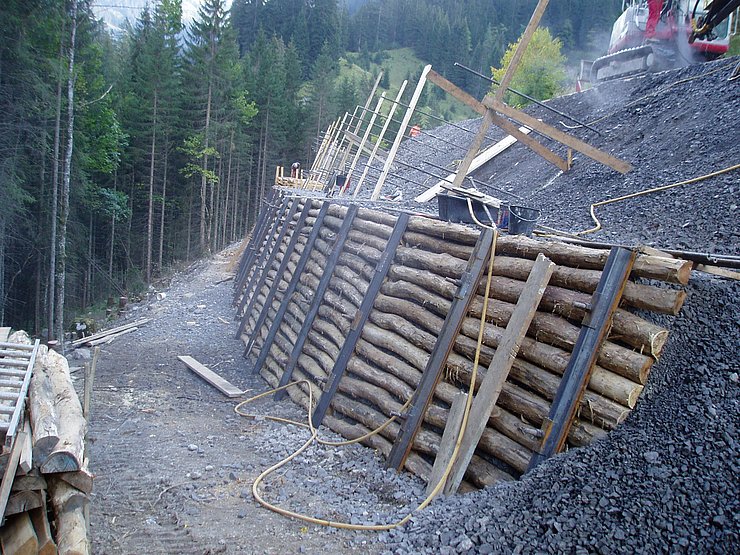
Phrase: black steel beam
pixel 318 297
pixel 258 237
pixel 580 366
pixel 268 264
pixel 259 267
pixel 276 282
pixel 441 352
pixel 305 255
pixel 350 342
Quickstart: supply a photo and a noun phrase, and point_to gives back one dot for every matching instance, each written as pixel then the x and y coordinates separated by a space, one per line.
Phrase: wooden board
pixel 4 333
pixel 211 377
pixel 449 440
pixel 498 369
pixel 486 156
pixel 9 474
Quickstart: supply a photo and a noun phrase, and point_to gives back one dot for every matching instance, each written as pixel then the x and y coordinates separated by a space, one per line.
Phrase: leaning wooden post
pixel 401 132
pixel 595 327
pixel 441 351
pixel 449 440
pixel 498 370
pixel 368 300
pixel 388 120
pixel 462 170
pixel 365 137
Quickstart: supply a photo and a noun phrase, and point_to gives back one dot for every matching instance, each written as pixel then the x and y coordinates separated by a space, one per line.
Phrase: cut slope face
pixel 671 126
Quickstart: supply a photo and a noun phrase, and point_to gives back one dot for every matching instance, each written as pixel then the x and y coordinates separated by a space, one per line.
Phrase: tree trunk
pixel 163 207
pixel 203 179
pixel 67 176
pixel 150 207
pixel 51 296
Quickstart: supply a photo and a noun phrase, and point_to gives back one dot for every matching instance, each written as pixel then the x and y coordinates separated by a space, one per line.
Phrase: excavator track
pixel 624 63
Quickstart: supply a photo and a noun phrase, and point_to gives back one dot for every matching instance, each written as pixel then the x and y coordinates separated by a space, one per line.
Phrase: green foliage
pixel 541 72
pixel 734 46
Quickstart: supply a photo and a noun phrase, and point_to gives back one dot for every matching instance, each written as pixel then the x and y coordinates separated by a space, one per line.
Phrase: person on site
pixel 295 170
pixel 654 9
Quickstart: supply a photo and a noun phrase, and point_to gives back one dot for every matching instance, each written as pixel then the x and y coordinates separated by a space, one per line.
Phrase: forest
pixel 126 154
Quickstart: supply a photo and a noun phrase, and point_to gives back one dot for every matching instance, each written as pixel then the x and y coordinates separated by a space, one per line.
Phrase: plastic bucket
pixel 522 220
pixel 453 208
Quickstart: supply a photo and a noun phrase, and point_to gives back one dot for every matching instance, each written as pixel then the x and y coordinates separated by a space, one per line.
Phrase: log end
pixel 60 461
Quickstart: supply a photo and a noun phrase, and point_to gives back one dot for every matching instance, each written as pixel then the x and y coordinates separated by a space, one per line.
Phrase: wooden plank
pixel 82 479
pixel 593 332
pixel 368 300
pixel 500 122
pixel 17 536
pixel 323 285
pixel 268 265
pixel 361 147
pixel 110 338
pixel 83 341
pixel 29 483
pixel 4 333
pixel 441 351
pixel 401 133
pixel 25 463
pixel 16 346
pixel 449 440
pixel 534 22
pixel 717 271
pixel 279 275
pixel 549 131
pixel 211 377
pixel 15 353
pixel 300 267
pixel 498 370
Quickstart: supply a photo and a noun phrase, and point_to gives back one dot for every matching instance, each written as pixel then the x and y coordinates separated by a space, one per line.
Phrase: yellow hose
pixel 314 432
pixel 593 207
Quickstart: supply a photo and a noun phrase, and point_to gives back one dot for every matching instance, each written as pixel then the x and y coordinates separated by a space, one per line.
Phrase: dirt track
pixel 173 463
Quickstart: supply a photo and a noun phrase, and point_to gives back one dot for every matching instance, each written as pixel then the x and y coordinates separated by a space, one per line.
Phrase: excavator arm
pixel 717 12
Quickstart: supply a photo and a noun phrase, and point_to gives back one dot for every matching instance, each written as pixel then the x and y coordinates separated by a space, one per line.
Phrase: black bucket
pixel 522 220
pixel 453 208
pixel 340 181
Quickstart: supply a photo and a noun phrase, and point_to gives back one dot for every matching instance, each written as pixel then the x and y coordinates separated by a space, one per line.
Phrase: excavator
pixel 688 31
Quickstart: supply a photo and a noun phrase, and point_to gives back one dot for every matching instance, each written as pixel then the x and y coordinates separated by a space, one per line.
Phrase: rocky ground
pixel 174 464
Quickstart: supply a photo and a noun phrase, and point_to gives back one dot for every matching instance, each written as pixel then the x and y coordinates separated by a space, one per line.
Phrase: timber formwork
pixel 380 315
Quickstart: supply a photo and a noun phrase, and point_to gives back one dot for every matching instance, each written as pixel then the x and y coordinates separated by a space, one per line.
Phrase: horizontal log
pixel 672 270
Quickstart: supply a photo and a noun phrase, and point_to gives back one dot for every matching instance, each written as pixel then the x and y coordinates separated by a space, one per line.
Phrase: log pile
pixel 407 317
pixel 46 469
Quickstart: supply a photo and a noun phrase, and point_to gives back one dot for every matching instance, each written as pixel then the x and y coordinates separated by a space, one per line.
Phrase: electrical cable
pixel 315 433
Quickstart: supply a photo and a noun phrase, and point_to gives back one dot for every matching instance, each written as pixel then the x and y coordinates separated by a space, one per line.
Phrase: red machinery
pixel 688 31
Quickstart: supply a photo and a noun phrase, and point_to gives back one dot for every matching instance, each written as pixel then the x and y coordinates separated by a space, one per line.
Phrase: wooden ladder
pixel 16 365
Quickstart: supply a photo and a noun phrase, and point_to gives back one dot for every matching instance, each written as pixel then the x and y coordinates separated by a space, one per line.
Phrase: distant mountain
pixel 116 12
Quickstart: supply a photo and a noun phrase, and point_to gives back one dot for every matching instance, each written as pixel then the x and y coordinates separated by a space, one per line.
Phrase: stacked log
pixel 408 315
pixel 54 483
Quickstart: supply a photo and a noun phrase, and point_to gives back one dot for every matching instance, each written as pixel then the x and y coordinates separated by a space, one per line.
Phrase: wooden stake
pixel 401 132
pixel 498 370
pixel 449 440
